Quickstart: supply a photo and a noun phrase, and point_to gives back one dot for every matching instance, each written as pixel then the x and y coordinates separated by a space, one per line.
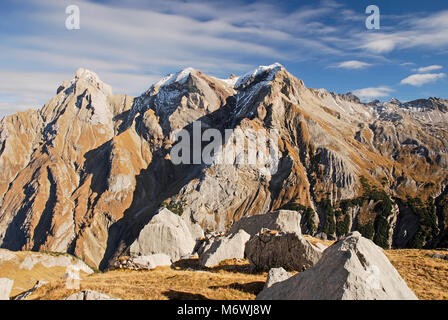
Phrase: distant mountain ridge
pixel 86 172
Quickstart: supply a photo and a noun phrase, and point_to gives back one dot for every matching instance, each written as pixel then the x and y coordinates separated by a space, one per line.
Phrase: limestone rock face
pixel 89 295
pixel 86 173
pixel 224 248
pixel 166 233
pixel 5 288
pixel 351 269
pixel 273 249
pixel 276 275
pixel 280 220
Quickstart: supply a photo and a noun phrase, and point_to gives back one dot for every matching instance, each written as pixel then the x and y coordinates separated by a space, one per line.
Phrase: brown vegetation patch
pixel 426 276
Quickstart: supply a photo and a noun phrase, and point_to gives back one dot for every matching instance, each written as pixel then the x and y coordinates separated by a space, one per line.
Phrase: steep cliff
pixel 86 172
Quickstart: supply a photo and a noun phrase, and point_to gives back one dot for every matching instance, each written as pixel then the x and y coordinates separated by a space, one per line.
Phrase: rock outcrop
pixel 273 249
pixel 351 269
pixel 276 275
pixel 5 288
pixel 280 220
pixel 166 233
pixel 440 256
pixel 224 248
pixel 86 173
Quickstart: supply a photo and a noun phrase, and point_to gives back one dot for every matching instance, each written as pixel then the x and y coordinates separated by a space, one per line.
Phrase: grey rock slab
pixel 272 249
pixel 230 247
pixel 276 275
pixel 351 269
pixel 281 220
pixel 165 233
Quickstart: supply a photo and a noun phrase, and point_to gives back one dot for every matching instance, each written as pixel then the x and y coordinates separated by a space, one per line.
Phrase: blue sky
pixel 131 44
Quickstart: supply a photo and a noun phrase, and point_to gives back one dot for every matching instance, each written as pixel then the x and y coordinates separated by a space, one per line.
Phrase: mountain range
pixel 87 171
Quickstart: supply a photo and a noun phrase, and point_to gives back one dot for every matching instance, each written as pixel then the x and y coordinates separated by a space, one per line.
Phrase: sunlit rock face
pixel 85 173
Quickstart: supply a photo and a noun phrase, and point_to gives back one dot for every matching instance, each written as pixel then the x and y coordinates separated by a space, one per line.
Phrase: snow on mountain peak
pixel 271 69
pixel 179 77
pixel 93 79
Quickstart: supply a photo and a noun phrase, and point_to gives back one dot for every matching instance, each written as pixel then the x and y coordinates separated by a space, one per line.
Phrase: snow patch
pixel 93 79
pixel 230 82
pixel 271 69
pixel 179 77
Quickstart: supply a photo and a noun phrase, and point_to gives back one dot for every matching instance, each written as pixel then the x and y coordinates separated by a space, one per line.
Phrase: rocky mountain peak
pixel 86 173
pixel 86 76
pixel 261 73
pixel 179 77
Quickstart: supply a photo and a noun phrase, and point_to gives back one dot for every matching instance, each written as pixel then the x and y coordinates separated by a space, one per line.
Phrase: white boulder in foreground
pixel 165 233
pixel 224 248
pixel 5 288
pixel 351 269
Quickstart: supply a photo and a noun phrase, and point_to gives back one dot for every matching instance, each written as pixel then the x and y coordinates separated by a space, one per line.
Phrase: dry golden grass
pixel 25 279
pixel 229 281
pixel 314 240
pixel 426 276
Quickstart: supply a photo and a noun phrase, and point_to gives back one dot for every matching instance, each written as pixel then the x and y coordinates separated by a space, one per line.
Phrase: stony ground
pixel 426 276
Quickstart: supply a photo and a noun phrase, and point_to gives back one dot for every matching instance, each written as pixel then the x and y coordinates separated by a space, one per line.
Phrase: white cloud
pixel 427 32
pixel 129 44
pixel 428 69
pixel 164 36
pixel 353 64
pixel 368 94
pixel 418 80
pixel 380 45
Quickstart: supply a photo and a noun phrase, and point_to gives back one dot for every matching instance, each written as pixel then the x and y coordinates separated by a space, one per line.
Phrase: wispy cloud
pixel 353 64
pixel 131 44
pixel 420 79
pixel 428 68
pixel 368 94
pixel 427 32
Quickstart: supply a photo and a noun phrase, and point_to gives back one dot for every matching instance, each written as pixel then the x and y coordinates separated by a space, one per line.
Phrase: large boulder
pixel 165 233
pixel 5 288
pixel 273 249
pixel 281 220
pixel 205 243
pixel 276 275
pixel 89 295
pixel 351 269
pixel 224 248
